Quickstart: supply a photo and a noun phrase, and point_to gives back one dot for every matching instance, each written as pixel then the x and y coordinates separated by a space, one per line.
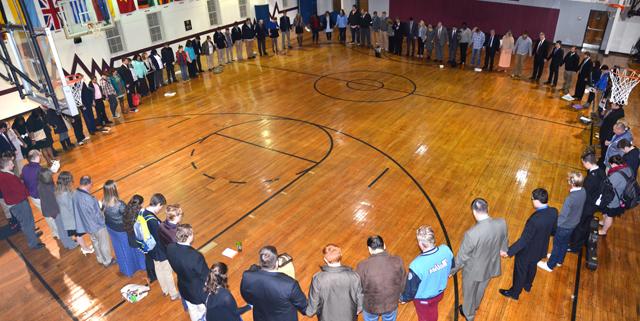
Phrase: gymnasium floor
pixel 330 144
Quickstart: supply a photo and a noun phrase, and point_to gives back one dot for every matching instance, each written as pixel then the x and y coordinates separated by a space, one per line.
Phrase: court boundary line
pixel 267 148
pixel 375 180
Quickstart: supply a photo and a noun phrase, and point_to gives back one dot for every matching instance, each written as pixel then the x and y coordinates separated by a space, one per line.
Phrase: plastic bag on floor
pixel 134 292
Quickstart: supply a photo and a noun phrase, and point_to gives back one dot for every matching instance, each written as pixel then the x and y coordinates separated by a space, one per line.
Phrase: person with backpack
pixel 631 155
pixel 159 252
pixel 592 184
pixel 618 174
pixel 131 212
pixel 567 220
pixel 621 131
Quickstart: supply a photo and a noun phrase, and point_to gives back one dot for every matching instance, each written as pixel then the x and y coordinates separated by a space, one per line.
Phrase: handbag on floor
pixel 136 100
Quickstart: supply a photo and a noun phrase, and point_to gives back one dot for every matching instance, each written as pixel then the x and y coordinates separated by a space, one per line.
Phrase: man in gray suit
pixel 479 256
pixel 411 33
pixel 441 41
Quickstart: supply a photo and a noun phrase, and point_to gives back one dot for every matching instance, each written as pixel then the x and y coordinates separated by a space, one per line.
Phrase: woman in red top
pixel 314 22
pixel 183 60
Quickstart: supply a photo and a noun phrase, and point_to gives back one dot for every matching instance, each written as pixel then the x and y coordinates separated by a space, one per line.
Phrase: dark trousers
pixel 262 46
pixel 89 120
pixel 141 87
pixel 553 74
pixel 581 232
pixel 524 273
pixel 411 46
pixel 420 47
pixel 489 55
pixel 328 35
pixel 130 92
pixel 463 52
pixel 22 213
pixel 192 69
pixel 392 44
pixel 171 74
pixel 315 35
pixel 398 46
pixel 538 67
pixel 199 63
pixel 76 122
pixel 560 245
pixel 151 269
pixel 355 35
pixel 101 114
pixel 342 35
pixel 580 86
pixel 452 53
pixel 152 81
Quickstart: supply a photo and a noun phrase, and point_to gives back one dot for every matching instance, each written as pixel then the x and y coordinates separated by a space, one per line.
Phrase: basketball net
pixel 622 83
pixel 74 82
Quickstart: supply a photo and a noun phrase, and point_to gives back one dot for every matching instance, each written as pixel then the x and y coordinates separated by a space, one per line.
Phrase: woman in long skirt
pixel 129 259
pixel 506 48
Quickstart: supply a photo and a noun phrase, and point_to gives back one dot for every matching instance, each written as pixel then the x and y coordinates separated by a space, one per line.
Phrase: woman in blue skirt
pixel 129 259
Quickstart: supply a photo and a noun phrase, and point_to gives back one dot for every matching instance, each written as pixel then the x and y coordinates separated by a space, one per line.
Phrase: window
pixel 212 6
pixel 155 27
pixel 243 8
pixel 114 38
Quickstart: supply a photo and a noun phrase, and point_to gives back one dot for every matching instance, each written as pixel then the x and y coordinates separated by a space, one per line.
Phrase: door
pixel 362 4
pixel 336 5
pixel 596 27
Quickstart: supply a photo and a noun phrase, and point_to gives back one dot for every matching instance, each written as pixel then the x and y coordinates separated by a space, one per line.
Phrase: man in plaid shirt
pixel 110 92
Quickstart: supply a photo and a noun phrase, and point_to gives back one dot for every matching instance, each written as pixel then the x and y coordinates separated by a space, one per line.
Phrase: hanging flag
pixel 126 6
pixel 112 12
pixel 80 11
pixel 49 9
pixel 102 12
pixel 164 1
pixel 145 4
pixel 16 12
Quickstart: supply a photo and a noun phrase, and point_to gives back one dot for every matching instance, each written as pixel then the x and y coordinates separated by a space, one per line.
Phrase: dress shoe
pixel 506 293
pixel 461 312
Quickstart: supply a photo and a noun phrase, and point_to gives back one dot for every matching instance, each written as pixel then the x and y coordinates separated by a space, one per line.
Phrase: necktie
pixel 491 42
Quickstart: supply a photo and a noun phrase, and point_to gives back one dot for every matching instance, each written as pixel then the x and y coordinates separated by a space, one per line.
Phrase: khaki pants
pixel 210 63
pixel 248 46
pixel 220 55
pixel 165 278
pixel 238 45
pixel 517 69
pixel 568 81
pixel 102 245
pixel 287 44
pixel 384 40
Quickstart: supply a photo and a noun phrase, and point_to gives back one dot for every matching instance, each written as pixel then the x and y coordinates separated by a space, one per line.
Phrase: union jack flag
pixel 50 11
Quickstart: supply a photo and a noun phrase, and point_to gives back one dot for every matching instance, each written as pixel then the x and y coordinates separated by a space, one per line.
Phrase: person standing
pixel 521 50
pixel 327 25
pixel 228 45
pixel 274 34
pixel 89 220
pixel 411 33
pixel 584 76
pixel 571 64
pixel 341 23
pixel 477 42
pixel 428 274
pixel 59 127
pixel 50 208
pixel 631 155
pixel 236 36
pixel 29 176
pixel 556 57
pixel 398 36
pixel 506 47
pixel 285 28
pixel 465 39
pixel 429 40
pixel 592 185
pixel 384 31
pixel 365 28
pixel 382 276
pixel 422 36
pixel 158 254
pixel 454 40
pixel 261 35
pixel 168 61
pixel 191 269
pixel 129 83
pixel 491 46
pixel 532 244
pixel 298 24
pixel 110 93
pixel 197 49
pixel 479 256
pixel 158 66
pixel 191 59
pixel 376 22
pixel 208 48
pixel 540 53
pixel 64 197
pixel 441 40
pixel 182 59
pixel 618 173
pixel 609 120
pixel 568 219
pixel 15 194
pixel 335 293
pixel 220 303
pixel 101 115
pixel 87 97
pixel 274 296
pixel 354 25
pixel 621 131
pixel 218 39
pixel 248 34
pixel 167 229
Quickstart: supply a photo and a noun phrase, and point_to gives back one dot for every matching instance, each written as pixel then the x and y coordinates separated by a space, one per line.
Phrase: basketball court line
pixel 267 148
pixel 378 177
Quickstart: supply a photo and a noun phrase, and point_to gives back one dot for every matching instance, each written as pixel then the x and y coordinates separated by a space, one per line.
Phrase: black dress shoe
pixel 461 312
pixel 506 293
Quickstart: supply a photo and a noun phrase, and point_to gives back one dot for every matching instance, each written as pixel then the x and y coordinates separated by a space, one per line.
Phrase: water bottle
pixel 239 246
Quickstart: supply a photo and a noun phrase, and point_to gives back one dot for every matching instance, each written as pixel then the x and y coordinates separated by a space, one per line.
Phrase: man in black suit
pixel 592 184
pixel 541 51
pixel 285 29
pixel 6 147
pixel 491 46
pixel 191 269
pixel 411 32
pixel 275 296
pixel 454 39
pixel 197 49
pixel 584 76
pixel 127 78
pixel 168 58
pixel 532 244
pixel 556 56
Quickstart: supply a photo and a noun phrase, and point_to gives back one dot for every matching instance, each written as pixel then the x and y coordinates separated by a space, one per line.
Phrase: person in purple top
pixel 167 229
pixel 29 176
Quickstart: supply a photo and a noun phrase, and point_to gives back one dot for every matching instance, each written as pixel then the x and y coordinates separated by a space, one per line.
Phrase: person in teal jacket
pixel 188 48
pixel 141 73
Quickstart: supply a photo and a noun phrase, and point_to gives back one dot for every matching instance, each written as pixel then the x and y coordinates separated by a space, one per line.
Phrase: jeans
pixel 560 245
pixel 183 72
pixel 387 316
pixel 24 216
pixel 342 32
pixel 475 57
pixel 286 39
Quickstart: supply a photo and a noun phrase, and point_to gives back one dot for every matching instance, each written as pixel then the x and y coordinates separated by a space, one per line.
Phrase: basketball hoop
pixel 616 6
pixel 623 80
pixel 74 85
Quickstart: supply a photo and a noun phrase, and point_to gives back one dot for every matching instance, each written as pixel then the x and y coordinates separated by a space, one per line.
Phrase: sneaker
pixel 544 266
pixel 568 97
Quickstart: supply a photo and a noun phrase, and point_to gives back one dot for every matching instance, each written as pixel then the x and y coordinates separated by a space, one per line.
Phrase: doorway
pixel 596 27
pixel 362 4
pixel 337 5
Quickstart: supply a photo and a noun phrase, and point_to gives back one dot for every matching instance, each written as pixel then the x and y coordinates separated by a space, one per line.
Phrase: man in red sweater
pixel 15 195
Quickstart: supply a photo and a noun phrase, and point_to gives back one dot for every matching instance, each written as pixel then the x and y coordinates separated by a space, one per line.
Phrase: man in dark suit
pixel 584 76
pixel 275 296
pixel 285 29
pixel 197 49
pixel 557 57
pixel 168 58
pixel 532 244
pixel 592 184
pixel 6 147
pixel 491 46
pixel 411 32
pixel 541 51
pixel 127 78
pixel 191 269
pixel 454 39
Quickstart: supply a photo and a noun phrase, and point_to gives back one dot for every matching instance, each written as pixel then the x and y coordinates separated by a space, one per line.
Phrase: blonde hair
pixel 33 154
pixel 576 179
pixel 332 253
pixel 622 123
pixel 426 236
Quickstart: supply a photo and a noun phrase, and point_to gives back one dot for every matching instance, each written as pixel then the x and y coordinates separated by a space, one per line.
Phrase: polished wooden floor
pixel 330 144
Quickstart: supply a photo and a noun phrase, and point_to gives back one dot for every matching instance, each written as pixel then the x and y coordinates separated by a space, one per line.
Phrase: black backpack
pixel 630 196
pixel 606 194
